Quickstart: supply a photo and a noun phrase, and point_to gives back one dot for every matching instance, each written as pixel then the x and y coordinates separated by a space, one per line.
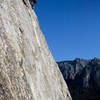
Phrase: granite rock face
pixel 27 68
pixel 83 78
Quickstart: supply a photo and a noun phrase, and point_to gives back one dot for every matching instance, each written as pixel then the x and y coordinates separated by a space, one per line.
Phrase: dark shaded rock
pixel 83 78
pixel 29 2
pixel 33 2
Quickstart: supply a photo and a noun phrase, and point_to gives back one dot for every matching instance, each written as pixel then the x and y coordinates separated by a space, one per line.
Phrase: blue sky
pixel 71 27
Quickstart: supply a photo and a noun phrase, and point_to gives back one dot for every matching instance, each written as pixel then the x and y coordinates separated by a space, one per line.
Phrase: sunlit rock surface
pixel 27 68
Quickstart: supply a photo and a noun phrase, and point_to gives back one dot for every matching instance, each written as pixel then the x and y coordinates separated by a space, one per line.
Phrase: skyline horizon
pixel 77 58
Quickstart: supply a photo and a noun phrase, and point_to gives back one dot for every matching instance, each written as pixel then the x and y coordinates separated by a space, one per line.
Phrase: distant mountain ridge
pixel 82 77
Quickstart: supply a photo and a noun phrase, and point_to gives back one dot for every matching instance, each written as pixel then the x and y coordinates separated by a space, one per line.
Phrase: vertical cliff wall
pixel 27 68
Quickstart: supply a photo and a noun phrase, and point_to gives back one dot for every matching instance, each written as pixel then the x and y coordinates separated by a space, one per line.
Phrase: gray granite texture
pixel 27 68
